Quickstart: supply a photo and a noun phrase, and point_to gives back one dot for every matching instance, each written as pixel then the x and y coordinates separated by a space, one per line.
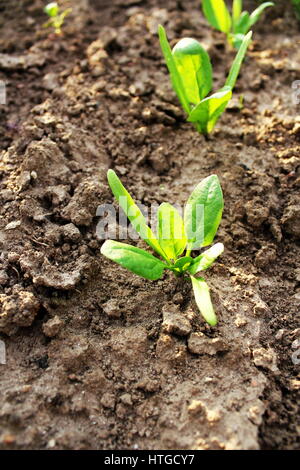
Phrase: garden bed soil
pixel 98 358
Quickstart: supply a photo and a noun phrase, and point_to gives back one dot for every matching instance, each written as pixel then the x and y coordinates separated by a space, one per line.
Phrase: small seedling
pixel 235 25
pixel 191 76
pixel 202 216
pixel 56 18
pixel 296 4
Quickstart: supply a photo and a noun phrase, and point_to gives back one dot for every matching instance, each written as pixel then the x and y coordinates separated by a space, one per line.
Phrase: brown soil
pixel 98 358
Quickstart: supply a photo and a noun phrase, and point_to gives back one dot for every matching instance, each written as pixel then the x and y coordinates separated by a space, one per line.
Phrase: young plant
pixel 235 25
pixel 191 76
pixel 296 4
pixel 202 216
pixel 56 18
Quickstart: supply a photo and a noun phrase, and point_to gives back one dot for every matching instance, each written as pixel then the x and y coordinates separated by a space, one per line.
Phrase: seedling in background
pixel 56 18
pixel 202 216
pixel 235 25
pixel 296 4
pixel 191 76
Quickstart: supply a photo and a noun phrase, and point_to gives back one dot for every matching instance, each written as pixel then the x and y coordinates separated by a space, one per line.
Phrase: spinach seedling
pixel 235 25
pixel 296 4
pixel 56 18
pixel 202 216
pixel 191 76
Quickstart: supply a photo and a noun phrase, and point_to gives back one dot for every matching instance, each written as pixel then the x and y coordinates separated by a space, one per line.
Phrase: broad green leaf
pixel 134 259
pixel 206 259
pixel 207 112
pixel 183 263
pixel 52 9
pixel 242 25
pixel 171 234
pixel 203 300
pixel 217 14
pixel 256 13
pixel 236 11
pixel 194 67
pixel 235 68
pixel 133 212
pixel 174 74
pixel 203 213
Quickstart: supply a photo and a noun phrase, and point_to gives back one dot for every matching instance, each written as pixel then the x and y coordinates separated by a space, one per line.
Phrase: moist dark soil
pixel 97 358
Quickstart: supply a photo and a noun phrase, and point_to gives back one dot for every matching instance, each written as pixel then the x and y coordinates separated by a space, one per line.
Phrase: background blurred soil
pixel 98 358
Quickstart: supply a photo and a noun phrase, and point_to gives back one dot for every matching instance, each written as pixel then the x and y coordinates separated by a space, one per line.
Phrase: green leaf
pixel 208 111
pixel 183 263
pixel 236 11
pixel 235 68
pixel 206 259
pixel 133 212
pixel 171 234
pixel 217 14
pixel 51 9
pixel 175 76
pixel 134 259
pixel 237 40
pixel 203 300
pixel 194 67
pixel 242 25
pixel 256 13
pixel 203 213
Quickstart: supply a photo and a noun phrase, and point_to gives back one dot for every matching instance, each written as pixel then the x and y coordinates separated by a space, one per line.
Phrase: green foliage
pixel 56 18
pixel 296 4
pixel 174 236
pixel 235 25
pixel 191 76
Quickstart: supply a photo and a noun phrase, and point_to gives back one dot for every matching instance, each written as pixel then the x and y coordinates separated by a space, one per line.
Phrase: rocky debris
pixel 46 159
pixel 50 81
pixel 97 57
pixel 111 308
pixel 67 232
pixel 257 212
pixel 57 280
pixel 275 229
pixel 107 36
pixel 108 400
pixel 170 349
pixel 3 277
pixel 24 180
pixel 174 322
pixel 129 343
pixel 83 206
pixel 57 194
pixel 265 256
pixel 126 399
pixel 36 265
pixel 265 358
pixel 17 310
pixel 13 225
pixel 21 62
pixel 240 321
pixel 198 343
pixel 261 309
pixel 198 408
pixel 52 327
pixel 74 354
pixel 291 220
pixel 148 385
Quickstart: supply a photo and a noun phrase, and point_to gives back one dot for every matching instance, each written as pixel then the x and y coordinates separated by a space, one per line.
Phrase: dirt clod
pixel 198 343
